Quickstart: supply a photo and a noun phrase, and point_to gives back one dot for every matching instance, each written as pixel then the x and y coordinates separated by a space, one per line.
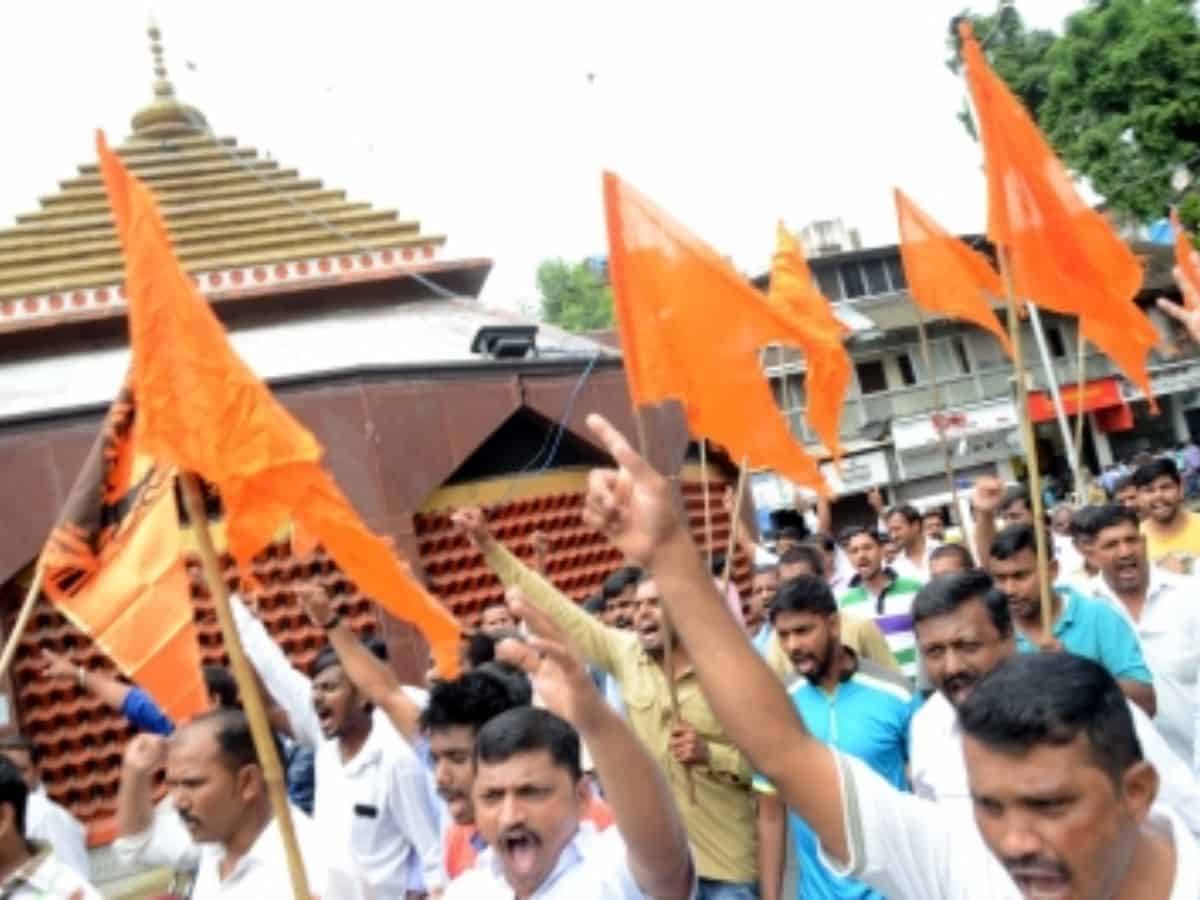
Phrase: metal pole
pixel 1035 321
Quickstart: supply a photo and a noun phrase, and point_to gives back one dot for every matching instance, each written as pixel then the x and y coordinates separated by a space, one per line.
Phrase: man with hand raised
pixel 529 794
pixel 1062 794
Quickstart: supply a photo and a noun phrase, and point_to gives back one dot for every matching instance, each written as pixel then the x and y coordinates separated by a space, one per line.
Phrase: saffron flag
pixel 819 334
pixel 201 409
pixel 692 330
pixel 1185 263
pixel 113 566
pixel 944 274
pixel 1063 255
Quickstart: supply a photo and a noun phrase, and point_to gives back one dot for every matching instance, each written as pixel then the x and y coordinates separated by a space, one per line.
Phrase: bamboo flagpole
pixel 22 623
pixel 947 463
pixel 1035 479
pixel 731 545
pixel 256 713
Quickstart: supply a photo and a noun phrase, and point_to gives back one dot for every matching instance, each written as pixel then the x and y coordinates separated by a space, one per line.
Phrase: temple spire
pixel 165 116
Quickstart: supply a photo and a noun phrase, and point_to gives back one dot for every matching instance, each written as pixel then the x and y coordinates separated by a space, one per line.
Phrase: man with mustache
pixel 1171 529
pixel 217 787
pixel 864 715
pixel 708 775
pixel 529 794
pixel 1079 624
pixel 372 792
pixel 457 711
pixel 877 593
pixel 1052 756
pixel 1164 609
pixel 965 631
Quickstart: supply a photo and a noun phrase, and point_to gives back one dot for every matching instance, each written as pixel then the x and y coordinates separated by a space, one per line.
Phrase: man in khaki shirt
pixel 709 777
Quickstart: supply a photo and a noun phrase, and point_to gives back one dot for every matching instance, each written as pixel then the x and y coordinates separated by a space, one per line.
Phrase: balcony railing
pixel 963 390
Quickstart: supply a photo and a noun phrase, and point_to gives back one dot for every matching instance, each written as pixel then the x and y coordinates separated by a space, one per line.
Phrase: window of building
pixel 853 280
pixel 876 275
pixel 1058 347
pixel 871 379
pixel 896 274
pixel 830 284
pixel 960 353
pixel 908 373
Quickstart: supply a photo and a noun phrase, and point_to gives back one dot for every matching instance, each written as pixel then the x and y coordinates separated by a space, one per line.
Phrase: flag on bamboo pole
pixel 113 566
pixel 201 409
pixel 945 275
pixel 692 330
pixel 820 337
pixel 1064 256
pixel 1185 262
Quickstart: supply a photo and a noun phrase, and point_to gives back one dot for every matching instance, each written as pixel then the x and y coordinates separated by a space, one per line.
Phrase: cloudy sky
pixel 492 121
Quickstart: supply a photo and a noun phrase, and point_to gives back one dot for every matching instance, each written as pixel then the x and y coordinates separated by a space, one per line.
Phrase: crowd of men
pixel 864 722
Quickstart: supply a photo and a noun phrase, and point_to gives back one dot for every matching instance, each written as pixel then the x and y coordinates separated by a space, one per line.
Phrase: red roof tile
pixel 81 740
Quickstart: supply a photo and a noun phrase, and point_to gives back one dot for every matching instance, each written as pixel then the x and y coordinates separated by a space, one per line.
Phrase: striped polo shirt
pixel 891 610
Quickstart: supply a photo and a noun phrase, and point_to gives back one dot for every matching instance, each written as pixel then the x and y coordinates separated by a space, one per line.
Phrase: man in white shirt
pixel 219 792
pixel 1062 794
pixel 1165 612
pixel 372 792
pixel 45 820
pixel 905 527
pixel 29 870
pixel 529 794
pixel 965 630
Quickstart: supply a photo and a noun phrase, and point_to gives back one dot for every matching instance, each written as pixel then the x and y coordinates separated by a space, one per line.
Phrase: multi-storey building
pixel 898 397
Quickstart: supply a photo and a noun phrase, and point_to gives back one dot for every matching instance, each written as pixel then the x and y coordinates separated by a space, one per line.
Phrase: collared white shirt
pixel 910 849
pixel 906 568
pixel 44 876
pixel 260 874
pixel 592 866
pixel 1169 629
pixel 939 769
pixel 373 808
pixel 51 824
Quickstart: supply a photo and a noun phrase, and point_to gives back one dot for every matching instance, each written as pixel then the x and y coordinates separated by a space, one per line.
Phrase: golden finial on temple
pixel 165 116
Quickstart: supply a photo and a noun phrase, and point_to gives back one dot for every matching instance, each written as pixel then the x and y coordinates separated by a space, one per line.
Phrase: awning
pixel 1102 393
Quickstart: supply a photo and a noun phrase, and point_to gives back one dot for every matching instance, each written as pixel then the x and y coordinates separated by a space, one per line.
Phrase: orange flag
pixel 692 330
pixel 819 337
pixel 944 274
pixel 113 567
pixel 201 409
pixel 1185 262
pixel 1063 255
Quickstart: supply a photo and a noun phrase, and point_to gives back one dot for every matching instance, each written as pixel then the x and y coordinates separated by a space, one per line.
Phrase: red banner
pixel 1099 394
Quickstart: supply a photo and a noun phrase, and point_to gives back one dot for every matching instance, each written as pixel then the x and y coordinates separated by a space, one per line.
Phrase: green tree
pixel 574 296
pixel 1117 94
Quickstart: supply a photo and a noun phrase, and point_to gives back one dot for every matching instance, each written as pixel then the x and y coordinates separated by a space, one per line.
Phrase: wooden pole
pixel 1035 478
pixel 22 623
pixel 1080 479
pixel 668 638
pixel 936 385
pixel 256 713
pixel 708 531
